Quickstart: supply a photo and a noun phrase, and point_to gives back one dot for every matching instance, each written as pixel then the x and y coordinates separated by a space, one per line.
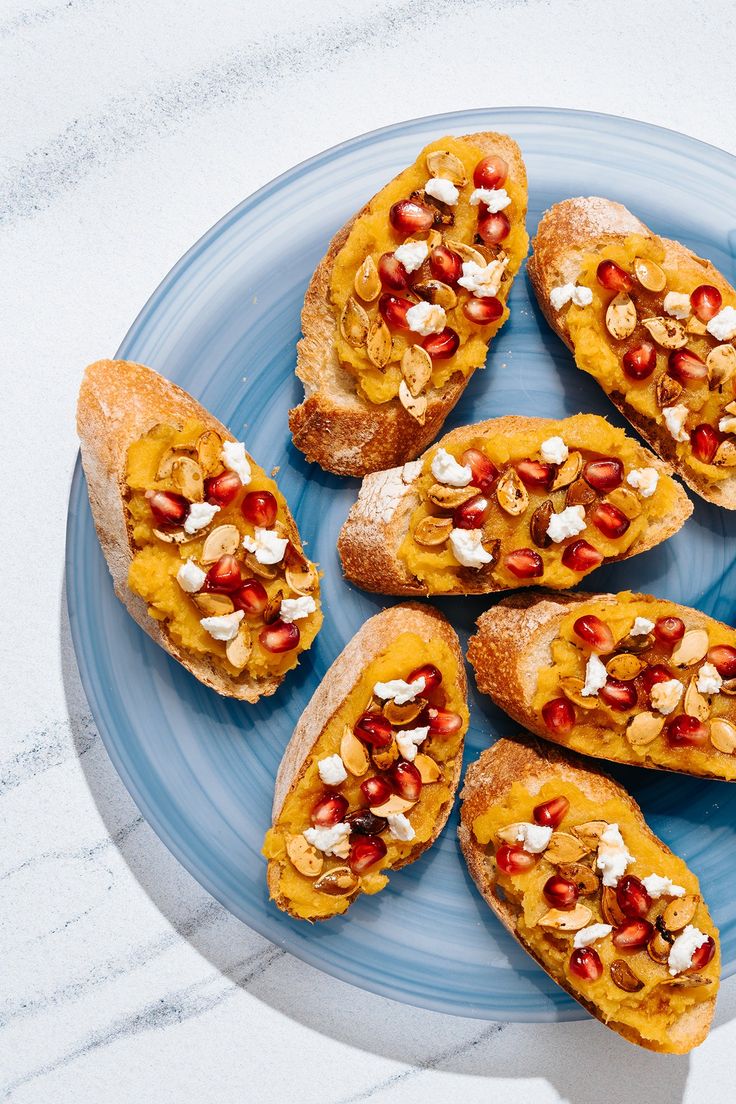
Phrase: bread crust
pixel 119 401
pixel 532 763
pixel 333 426
pixel 578 226
pixel 373 637
pixel 377 523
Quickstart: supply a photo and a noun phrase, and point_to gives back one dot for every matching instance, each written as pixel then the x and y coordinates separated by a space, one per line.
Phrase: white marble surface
pixel 128 128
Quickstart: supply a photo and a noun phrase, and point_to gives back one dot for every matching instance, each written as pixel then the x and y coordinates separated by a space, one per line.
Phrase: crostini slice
pixel 400 311
pixel 201 546
pixel 369 776
pixel 509 503
pixel 563 856
pixel 626 677
pixel 654 324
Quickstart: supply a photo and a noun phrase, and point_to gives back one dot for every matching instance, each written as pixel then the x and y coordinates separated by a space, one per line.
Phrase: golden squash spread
pixel 661 691
pixel 172 473
pixel 627 968
pixel 512 496
pixel 386 773
pixel 370 296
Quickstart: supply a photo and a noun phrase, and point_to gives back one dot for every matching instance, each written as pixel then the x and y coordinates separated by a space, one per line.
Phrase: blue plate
pixel 223 324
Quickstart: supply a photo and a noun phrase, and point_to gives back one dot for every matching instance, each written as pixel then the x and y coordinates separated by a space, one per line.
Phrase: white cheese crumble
pixel 677 304
pixel 409 740
pixel 682 950
pixel 447 470
pixel 643 480
pixel 642 627
pixel 412 254
pixel 595 677
pixel 426 318
pixel 399 691
pixel 613 858
pixel 658 886
pixel 399 827
pixel 554 451
pixel 483 280
pixel 223 627
pixel 675 417
pixel 709 680
pixel 234 458
pixel 443 190
pixel 332 770
pixel 467 547
pixel 190 577
pixel 199 516
pixel 665 696
pixel 331 841
pixel 534 838
pixel 294 609
pixel 723 324
pixel 727 424
pixel 586 936
pixel 268 546
pixel 577 294
pixel 494 199
pixel 568 523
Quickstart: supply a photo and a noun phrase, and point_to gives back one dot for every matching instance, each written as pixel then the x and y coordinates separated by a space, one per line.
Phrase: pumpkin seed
pixel 691 649
pixel 367 282
pixel 564 848
pixel 583 877
pixel 511 493
pixel 416 368
pixel 167 462
pixel 610 909
pixel 695 704
pixel 448 498
pixel 723 735
pixel 434 291
pixel 433 531
pixel 354 323
pixel 222 541
pixel 209 448
pixel 238 649
pixel 415 406
pixel 680 912
pixel 590 833
pixel 428 770
pixel 667 391
pixel 721 364
pixel 644 728
pixel 400 715
pixel 539 522
pixel 566 920
pixel 621 316
pixel 572 688
pixel 640 643
pixel 568 472
pixel 213 605
pixel 446 165
pixel 395 804
pixel 658 947
pixel 306 858
pixel 626 501
pixel 467 252
pixel 186 476
pixel 384 758
pixel 728 687
pixel 625 666
pixel 624 977
pixel 580 494
pixel 649 274
pixel 353 753
pixel 510 833
pixel 338 882
pixel 378 343
pixel 265 571
pixel 667 332
pixel 685 981
pixel 175 536
pixel 725 456
pixel 301 580
pixel 273 607
pixel 694 326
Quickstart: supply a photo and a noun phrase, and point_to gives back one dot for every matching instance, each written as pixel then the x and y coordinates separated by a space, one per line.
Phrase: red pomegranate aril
pixel 559 716
pixel 669 630
pixel 618 695
pixel 442 722
pixel 632 897
pixel 704 441
pixel 639 363
pixel 491 172
pixel 373 728
pixel 652 675
pixel 366 823
pixel 595 633
pixel 225 575
pixel 585 964
pixel 483 311
pixel 534 473
pixel 686 367
pixel 392 273
pixel 514 860
pixel 612 277
pixel 471 514
pixel 252 597
pixel 220 490
pixel 706 302
pixel 281 636
pixel 329 810
pixel 260 508
pixel 494 227
pixel 445 264
pixel 686 731
pixel 525 563
pixel 406 781
pixel 604 475
pixel 702 956
pixel 581 556
pixel 432 677
pixel 167 508
pixel 393 309
pixel 375 790
pixel 561 893
pixel 633 935
pixel 442 345
pixel 484 470
pixel 551 813
pixel 365 851
pixel 409 217
pixel 723 658
pixel 609 520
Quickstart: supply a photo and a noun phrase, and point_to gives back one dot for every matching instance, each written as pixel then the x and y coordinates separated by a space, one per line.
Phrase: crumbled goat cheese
pixel 568 523
pixel 447 470
pixel 643 480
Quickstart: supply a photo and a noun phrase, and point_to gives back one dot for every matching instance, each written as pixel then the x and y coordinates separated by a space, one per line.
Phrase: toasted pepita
pixel 238 649
pixel 416 368
pixel 626 501
pixel 175 536
pixel 685 981
pixel 433 531
pixel 584 878
pixel 644 728
pixel 168 460
pixel 566 921
pixel 695 704
pixel 649 274
pixel 564 848
pixel 721 364
pixel 641 643
pixel 658 946
pixel 511 833
pixel 186 475
pixel 434 291
pixel 338 882
pixel 691 649
pixel 428 770
pixel 580 493
pixel 367 282
pixel 589 833
pixel 222 541
pixel 728 687
pixel 306 858
pixel 354 323
pixel 572 688
pixel 624 977
pixel 511 493
pixel 209 447
pixel 723 735
pixel 301 580
pixel 568 471
pixel 625 666
pixel 621 316
pixel 680 912
pixel 353 753
pixel 467 252
pixel 378 343
pixel 404 714
pixel 667 332
pixel 433 239
pixel 667 390
pixel 693 325
pixel 725 456
pixel 213 605
pixel 265 571
pixel 415 406
pixel 539 523
pixel 384 758
pixel 446 165
pixel 395 804
pixel 610 909
pixel 273 607
pixel 449 498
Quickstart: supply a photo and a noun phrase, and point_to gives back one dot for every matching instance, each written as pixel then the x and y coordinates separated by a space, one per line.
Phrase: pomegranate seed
pixel 471 514
pixel 609 520
pixel 581 556
pixel 586 964
pixel 483 311
pixel 282 636
pixel 442 345
pixel 652 675
pixel 595 633
pixel 431 675
pixel 494 227
pixel 560 892
pixel 220 490
pixel 723 658
pixel 632 897
pixel 406 781
pixel 525 563
pixel 442 722
pixel 167 508
pixel 686 367
pixel 260 508
pixel 702 956
pixel 534 473
pixel 445 264
pixel 484 470
pixel 392 273
pixel 225 575
pixel 329 810
pixel 366 823
pixel 619 695
pixel 373 728
pixel 491 172
pixel 706 302
pixel 686 731
pixel 252 597
pixel 551 813
pixel 633 935
pixel 669 629
pixel 514 860
pixel 559 715
pixel 612 277
pixel 393 310
pixel 375 790
pixel 604 475
pixel 639 363
pixel 409 217
pixel 365 851
pixel 704 441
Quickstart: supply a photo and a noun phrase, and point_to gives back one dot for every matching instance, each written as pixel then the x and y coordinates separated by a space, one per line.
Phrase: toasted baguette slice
pixel 576 227
pixel 378 523
pixel 335 426
pixel 488 784
pixel 335 706
pixel 512 651
pixel 119 402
